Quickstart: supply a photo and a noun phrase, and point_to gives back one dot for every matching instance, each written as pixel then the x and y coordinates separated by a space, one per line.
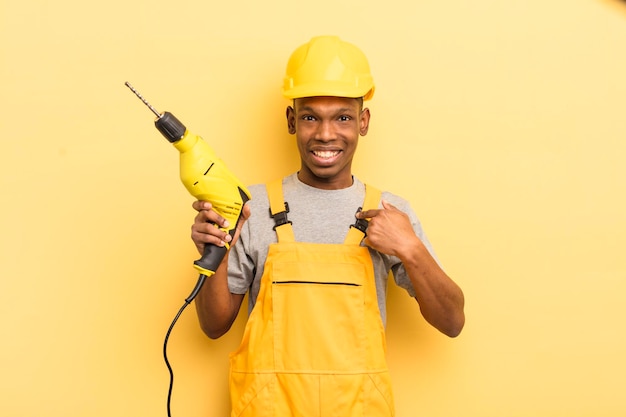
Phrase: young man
pixel 314 251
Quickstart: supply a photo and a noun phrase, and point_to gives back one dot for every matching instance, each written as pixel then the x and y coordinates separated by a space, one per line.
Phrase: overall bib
pixel 314 344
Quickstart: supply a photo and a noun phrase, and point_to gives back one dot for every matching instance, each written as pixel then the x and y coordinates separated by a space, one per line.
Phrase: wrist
pixel 409 252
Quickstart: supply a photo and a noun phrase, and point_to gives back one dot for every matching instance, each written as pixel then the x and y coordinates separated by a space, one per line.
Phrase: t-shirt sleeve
pixel 240 267
pixel 397 268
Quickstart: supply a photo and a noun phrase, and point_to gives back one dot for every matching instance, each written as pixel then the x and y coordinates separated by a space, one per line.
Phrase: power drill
pixel 206 177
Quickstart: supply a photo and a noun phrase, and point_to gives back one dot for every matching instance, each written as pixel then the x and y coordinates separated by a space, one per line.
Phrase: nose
pixel 325 131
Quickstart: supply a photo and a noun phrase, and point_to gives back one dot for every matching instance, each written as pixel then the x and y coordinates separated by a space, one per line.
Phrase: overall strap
pixel 357 230
pixel 278 211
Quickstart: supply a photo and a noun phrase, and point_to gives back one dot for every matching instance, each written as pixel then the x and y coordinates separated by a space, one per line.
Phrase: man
pixel 314 251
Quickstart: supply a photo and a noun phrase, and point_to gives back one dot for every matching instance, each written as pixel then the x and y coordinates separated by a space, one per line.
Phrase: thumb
pixel 388 206
pixel 246 211
pixel 245 215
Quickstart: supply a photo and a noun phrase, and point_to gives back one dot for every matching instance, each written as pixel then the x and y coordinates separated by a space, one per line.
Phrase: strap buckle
pixel 280 218
pixel 360 224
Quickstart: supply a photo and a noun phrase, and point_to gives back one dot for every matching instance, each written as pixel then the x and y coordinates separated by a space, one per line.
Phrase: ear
pixel 364 122
pixel 291 120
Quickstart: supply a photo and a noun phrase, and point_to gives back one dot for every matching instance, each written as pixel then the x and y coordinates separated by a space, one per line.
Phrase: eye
pixel 308 118
pixel 344 118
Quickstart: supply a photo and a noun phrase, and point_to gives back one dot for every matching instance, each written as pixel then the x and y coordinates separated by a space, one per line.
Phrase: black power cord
pixel 188 301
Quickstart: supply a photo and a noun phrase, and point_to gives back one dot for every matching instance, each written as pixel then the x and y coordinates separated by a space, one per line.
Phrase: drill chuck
pixel 170 127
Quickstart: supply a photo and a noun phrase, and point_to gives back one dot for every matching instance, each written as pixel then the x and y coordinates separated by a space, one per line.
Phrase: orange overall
pixel 314 344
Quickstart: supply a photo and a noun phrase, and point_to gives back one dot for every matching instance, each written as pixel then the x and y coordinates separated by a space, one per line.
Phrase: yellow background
pixel 502 122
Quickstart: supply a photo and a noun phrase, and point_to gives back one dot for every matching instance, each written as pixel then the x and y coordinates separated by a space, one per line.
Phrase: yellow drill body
pixel 206 178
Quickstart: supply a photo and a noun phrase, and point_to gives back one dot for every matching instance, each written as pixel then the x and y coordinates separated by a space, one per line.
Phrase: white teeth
pixel 325 154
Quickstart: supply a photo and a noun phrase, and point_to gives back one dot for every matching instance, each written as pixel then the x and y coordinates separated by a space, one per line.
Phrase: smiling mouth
pixel 325 154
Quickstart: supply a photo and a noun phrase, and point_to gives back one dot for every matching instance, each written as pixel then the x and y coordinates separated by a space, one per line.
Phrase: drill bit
pixel 159 115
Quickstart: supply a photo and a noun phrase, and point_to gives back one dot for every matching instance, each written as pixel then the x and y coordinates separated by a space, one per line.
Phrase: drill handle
pixel 207 265
pixel 211 258
pixel 213 255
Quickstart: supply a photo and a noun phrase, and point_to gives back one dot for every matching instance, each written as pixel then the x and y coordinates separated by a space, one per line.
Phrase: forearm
pixel 440 299
pixel 216 306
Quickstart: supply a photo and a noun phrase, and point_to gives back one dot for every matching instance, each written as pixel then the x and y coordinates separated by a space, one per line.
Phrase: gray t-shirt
pixel 317 216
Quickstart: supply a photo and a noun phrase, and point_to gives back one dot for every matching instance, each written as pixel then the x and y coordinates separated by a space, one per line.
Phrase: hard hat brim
pixel 328 89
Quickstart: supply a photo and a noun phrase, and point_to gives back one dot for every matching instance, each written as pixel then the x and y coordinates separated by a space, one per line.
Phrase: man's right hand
pixel 206 227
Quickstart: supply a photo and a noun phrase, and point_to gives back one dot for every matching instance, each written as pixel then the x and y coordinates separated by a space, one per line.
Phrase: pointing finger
pixel 367 214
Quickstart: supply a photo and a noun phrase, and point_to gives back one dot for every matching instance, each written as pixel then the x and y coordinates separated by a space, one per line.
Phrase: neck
pixel 326 183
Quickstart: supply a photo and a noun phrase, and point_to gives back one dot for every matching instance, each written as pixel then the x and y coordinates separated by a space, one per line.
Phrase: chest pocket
pixel 319 316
